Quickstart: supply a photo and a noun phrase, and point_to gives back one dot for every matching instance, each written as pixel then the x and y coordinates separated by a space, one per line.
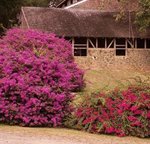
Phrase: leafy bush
pixel 45 45
pixel 121 112
pixel 37 76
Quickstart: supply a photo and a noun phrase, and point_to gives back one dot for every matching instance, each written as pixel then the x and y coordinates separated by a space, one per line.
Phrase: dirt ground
pixel 21 135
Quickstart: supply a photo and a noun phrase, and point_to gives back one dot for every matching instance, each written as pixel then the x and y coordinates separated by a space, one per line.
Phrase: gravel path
pixel 21 135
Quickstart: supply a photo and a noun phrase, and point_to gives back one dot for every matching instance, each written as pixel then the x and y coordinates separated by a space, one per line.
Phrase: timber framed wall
pixel 99 53
pixel 98 41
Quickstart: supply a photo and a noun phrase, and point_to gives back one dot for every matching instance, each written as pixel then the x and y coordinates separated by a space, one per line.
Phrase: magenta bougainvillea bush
pixel 37 76
pixel 119 113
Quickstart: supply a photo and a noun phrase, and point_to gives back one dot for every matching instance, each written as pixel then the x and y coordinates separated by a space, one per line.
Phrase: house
pixel 107 5
pixel 98 40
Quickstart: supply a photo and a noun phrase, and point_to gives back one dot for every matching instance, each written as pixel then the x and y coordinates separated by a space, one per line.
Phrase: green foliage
pixel 142 12
pixel 143 15
pixel 42 3
pixel 8 12
pixel 10 9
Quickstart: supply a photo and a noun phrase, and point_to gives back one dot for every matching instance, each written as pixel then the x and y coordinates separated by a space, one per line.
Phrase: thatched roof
pixel 107 5
pixel 79 23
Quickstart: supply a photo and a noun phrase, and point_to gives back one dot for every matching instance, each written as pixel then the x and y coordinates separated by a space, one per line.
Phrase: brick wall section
pixel 105 58
pixel 105 5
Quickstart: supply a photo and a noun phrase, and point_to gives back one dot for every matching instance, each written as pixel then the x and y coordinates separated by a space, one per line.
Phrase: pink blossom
pixel 38 76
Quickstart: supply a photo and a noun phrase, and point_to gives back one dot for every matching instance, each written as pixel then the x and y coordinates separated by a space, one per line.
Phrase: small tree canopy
pixel 10 9
pixel 142 12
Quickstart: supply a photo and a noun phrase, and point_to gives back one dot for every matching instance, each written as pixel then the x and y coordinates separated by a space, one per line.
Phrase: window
pixel 120 47
pixel 92 42
pixel 65 4
pixel 68 3
pixel 80 40
pixel 74 1
pixel 110 43
pixel 148 43
pixel 101 42
pixel 130 43
pixel 120 41
pixel 69 39
pixel 80 46
pixel 140 43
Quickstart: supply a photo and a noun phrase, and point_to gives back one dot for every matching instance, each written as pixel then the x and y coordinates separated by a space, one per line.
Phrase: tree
pixel 142 18
pixel 8 12
pixel 41 3
pixel 143 15
pixel 10 9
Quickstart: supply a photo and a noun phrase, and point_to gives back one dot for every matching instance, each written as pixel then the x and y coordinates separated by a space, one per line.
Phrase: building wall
pixel 105 58
pixel 105 5
pixel 100 58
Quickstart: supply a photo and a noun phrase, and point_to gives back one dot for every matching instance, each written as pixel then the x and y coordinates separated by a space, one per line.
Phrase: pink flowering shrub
pixel 37 76
pixel 119 113
pixel 46 45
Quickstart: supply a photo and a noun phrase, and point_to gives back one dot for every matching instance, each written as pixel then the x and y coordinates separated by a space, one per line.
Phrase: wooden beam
pixel 25 18
pixel 91 43
pixel 73 41
pixel 96 42
pixel 126 43
pixel 110 43
pixel 135 43
pixel 115 43
pixel 131 44
pixel 145 45
pixel 105 43
pixel 87 46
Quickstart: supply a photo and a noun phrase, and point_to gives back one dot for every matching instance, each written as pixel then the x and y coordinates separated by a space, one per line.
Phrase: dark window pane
pixel 131 43
pixel 109 40
pixel 148 43
pixel 140 43
pixel 67 38
pixel 93 40
pixel 65 3
pixel 120 41
pixel 101 42
pixel 129 46
pixel 80 40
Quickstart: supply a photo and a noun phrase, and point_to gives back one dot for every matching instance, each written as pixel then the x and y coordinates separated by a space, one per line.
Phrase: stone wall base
pixel 138 59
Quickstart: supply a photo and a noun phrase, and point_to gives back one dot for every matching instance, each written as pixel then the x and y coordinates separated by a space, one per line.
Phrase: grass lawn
pixel 106 80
